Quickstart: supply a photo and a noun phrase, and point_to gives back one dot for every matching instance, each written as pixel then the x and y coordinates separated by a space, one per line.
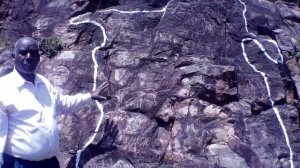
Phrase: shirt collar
pixel 20 81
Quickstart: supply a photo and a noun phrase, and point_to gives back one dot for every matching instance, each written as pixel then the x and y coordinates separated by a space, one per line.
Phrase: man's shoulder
pixel 6 82
pixel 42 79
pixel 4 79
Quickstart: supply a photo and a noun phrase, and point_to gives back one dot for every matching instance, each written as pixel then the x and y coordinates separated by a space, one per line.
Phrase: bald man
pixel 29 104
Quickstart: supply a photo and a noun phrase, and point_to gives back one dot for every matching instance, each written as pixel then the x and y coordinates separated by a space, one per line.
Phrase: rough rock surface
pixel 182 92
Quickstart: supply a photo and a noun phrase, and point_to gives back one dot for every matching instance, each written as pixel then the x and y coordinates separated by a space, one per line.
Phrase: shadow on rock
pixel 106 144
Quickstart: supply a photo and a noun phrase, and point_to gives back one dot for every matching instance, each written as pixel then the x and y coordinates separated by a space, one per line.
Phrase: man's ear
pixel 13 52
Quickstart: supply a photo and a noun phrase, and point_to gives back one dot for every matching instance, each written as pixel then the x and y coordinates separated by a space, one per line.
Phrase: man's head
pixel 26 55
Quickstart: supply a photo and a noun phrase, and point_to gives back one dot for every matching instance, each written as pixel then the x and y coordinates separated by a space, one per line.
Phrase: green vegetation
pixel 50 46
pixel 297 55
pixel 2 42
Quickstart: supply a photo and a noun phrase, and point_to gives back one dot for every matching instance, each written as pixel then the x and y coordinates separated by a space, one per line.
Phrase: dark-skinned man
pixel 29 104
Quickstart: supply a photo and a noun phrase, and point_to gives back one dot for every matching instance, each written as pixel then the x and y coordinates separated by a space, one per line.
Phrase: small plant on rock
pixel 2 42
pixel 297 55
pixel 50 46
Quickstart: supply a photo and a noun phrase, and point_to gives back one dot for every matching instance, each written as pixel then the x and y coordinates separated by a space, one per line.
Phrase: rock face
pixel 183 93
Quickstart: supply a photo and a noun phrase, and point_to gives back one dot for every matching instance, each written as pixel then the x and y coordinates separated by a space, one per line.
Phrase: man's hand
pixel 101 93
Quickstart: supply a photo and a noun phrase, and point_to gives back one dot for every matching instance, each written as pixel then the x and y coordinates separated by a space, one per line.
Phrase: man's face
pixel 27 55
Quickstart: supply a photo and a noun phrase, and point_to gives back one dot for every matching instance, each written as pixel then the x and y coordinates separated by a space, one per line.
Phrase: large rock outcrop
pixel 182 92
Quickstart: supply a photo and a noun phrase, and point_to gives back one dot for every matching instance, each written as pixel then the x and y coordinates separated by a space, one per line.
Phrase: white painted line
pixel 99 105
pixel 266 79
pixel 75 21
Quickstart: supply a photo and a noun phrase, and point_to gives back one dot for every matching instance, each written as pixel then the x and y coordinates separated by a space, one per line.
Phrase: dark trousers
pixel 12 162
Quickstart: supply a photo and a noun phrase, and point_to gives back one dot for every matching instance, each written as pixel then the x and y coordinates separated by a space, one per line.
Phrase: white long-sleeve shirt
pixel 28 127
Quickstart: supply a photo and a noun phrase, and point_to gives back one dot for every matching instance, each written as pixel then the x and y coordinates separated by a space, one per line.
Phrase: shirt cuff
pixel 87 97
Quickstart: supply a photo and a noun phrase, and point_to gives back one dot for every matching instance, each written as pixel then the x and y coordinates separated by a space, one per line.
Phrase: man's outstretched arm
pixel 73 102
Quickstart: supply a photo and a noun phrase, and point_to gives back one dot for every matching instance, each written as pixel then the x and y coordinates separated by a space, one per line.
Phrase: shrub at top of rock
pixel 50 46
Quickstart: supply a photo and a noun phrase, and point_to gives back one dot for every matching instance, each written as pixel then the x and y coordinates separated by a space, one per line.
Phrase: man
pixel 29 135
